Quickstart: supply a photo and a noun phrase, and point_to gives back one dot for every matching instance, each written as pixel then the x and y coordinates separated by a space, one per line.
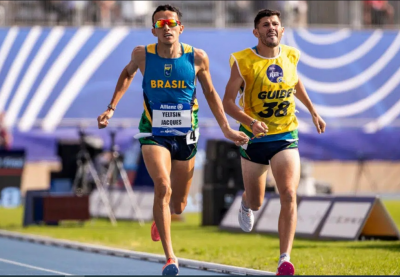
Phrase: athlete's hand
pixel 239 138
pixel 319 123
pixel 259 129
pixel 102 120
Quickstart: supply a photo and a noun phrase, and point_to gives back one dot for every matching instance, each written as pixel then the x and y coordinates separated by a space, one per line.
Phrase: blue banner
pixel 51 75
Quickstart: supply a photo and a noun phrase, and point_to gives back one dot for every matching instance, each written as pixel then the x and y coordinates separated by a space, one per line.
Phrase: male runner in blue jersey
pixel 169 120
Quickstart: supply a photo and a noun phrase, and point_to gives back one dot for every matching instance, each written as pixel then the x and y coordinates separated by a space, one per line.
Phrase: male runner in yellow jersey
pixel 267 77
pixel 169 124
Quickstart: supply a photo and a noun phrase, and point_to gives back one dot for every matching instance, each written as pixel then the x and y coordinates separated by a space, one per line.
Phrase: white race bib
pixel 171 119
pixel 192 137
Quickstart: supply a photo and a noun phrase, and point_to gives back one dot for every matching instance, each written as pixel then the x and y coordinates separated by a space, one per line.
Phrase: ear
pixel 181 29
pixel 283 31
pixel 256 33
pixel 153 31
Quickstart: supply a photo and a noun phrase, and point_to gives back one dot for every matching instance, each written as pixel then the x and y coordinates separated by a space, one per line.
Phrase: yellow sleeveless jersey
pixel 269 87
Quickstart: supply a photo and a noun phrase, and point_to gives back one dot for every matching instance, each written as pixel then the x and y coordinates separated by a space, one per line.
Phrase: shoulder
pixel 187 49
pixel 200 56
pixel 139 52
pixel 239 56
pixel 290 51
pixel 245 52
pixel 289 48
pixel 242 54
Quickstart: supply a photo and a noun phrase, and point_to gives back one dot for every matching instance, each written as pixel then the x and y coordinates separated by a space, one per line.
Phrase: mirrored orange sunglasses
pixel 170 22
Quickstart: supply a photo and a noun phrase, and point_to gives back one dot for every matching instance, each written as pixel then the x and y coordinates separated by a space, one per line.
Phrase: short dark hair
pixel 264 13
pixel 167 7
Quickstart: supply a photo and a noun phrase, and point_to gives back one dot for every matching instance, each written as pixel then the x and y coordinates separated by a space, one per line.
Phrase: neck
pixel 169 51
pixel 268 52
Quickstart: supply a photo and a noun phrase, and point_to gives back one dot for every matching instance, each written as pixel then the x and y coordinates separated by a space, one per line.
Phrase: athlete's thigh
pixel 285 167
pixel 181 179
pixel 254 179
pixel 158 162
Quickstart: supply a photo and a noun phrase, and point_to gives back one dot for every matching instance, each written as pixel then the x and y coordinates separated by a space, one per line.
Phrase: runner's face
pixel 269 31
pixel 167 34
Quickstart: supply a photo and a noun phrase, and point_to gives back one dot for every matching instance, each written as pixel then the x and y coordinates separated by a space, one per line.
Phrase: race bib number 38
pixel 171 119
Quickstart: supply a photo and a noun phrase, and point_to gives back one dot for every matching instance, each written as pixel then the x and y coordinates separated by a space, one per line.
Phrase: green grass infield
pixel 192 241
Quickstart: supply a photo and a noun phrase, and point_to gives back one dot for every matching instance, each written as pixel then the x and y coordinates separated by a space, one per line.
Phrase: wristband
pixel 252 123
pixel 111 107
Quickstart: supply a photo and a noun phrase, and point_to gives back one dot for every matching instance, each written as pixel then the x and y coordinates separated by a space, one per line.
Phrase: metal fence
pixel 204 14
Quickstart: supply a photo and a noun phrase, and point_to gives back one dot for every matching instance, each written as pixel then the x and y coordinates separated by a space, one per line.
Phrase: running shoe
pixel 285 267
pixel 246 219
pixel 171 268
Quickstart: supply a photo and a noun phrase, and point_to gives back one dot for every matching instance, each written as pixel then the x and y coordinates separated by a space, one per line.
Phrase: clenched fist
pixel 102 120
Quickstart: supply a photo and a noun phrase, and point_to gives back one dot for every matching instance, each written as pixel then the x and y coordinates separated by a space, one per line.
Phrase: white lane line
pixel 34 267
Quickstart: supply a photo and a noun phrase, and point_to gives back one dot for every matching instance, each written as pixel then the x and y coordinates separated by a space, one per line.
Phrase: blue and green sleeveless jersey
pixel 167 82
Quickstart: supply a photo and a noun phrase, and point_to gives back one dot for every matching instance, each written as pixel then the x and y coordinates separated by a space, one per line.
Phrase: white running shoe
pixel 246 219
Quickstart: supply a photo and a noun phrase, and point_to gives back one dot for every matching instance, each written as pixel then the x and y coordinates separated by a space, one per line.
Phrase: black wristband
pixel 111 107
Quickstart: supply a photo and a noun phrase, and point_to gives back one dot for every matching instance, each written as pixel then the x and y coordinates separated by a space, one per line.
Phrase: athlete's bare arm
pixel 231 91
pixel 213 99
pixel 302 95
pixel 124 81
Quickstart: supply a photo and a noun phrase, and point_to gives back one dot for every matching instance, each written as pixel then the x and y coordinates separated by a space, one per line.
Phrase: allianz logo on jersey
pixel 171 107
pixel 167 84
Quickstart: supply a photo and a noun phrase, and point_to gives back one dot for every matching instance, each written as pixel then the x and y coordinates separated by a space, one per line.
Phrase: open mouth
pixel 167 35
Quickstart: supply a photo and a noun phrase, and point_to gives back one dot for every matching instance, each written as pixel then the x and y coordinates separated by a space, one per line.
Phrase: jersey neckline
pixel 255 51
pixel 183 53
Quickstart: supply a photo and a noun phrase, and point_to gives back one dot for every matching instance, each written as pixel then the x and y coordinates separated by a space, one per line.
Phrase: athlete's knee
pixel 255 205
pixel 179 206
pixel 288 196
pixel 162 189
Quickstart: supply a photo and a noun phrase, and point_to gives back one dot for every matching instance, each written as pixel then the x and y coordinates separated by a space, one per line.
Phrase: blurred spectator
pixel 106 10
pixel 136 11
pixel 3 8
pixel 295 13
pixel 128 11
pixel 62 10
pixel 92 12
pixel 141 9
pixel 378 13
pixel 264 4
pixel 5 136
pixel 240 11
pixel 79 7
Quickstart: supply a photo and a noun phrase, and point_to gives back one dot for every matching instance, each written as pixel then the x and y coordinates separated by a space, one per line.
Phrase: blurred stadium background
pixel 60 60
